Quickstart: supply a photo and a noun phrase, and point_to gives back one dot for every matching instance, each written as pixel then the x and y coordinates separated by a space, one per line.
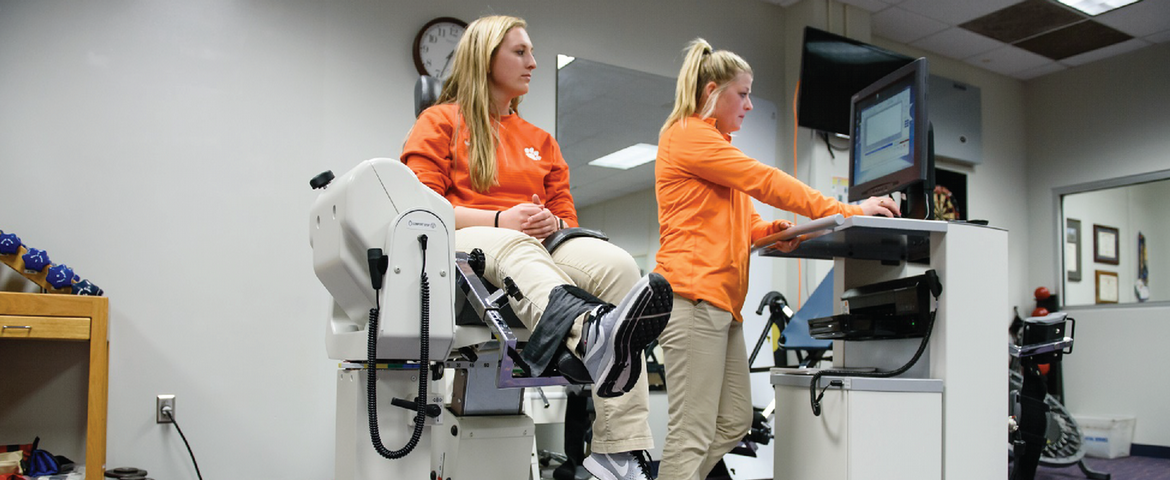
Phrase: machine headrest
pixel 426 93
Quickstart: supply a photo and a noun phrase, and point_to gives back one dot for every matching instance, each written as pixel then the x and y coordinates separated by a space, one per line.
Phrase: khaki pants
pixel 596 266
pixel 708 387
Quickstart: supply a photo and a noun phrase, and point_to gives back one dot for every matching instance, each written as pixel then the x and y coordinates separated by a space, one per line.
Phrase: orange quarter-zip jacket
pixel 528 161
pixel 704 186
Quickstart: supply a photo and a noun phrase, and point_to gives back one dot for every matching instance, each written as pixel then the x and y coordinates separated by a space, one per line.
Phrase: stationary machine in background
pixel 1042 431
pixel 407 310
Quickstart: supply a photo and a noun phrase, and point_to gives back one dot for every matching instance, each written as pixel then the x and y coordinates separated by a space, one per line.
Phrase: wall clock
pixel 434 46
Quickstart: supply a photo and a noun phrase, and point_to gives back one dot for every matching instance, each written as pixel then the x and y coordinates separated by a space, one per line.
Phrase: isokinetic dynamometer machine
pixel 430 384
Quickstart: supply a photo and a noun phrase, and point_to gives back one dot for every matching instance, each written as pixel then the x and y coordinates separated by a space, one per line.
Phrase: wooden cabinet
pixel 68 318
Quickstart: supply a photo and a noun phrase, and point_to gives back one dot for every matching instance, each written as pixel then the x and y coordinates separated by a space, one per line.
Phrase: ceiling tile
pixel 955 12
pixel 1042 70
pixel 1073 40
pixel 1139 19
pixel 1026 19
pixel 1008 60
pixel 868 5
pixel 958 43
pixel 1160 37
pixel 1101 53
pixel 904 26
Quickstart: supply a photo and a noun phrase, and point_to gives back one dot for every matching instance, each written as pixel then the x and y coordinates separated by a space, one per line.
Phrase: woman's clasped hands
pixel 532 219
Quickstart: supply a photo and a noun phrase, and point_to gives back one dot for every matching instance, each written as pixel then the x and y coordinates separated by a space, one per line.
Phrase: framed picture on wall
pixel 1106 287
pixel 1105 244
pixel 1072 249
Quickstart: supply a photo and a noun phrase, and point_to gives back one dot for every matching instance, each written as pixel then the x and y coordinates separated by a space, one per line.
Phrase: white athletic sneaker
pixel 615 337
pixel 619 466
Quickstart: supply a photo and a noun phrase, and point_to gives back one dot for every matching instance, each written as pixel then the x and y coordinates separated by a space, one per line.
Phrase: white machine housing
pixel 381 204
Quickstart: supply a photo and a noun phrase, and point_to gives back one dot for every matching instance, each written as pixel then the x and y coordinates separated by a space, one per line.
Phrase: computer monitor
pixel 891 147
pixel 832 69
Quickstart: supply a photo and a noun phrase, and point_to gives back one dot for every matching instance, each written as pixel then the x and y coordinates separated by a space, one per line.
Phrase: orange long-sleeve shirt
pixel 528 161
pixel 707 223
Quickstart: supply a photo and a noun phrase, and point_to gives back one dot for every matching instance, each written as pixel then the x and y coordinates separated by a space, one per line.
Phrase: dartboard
pixel 944 204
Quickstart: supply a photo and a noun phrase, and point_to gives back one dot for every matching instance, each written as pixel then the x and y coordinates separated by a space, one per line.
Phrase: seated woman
pixel 509 186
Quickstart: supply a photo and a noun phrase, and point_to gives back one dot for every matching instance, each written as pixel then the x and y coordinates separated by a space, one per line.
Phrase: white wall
pixel 1151 199
pixel 1099 121
pixel 1131 210
pixel 1104 207
pixel 163 149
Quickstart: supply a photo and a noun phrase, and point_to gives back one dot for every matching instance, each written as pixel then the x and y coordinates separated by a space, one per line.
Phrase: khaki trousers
pixel 708 388
pixel 596 266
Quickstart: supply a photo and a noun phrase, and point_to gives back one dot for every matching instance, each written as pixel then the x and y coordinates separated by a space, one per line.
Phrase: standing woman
pixel 704 187
pixel 509 185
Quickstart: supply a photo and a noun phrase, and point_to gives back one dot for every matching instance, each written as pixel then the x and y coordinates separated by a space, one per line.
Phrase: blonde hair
pixel 702 65
pixel 468 87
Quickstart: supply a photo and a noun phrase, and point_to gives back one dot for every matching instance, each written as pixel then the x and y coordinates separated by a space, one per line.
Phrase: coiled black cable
pixel 424 354
pixel 815 400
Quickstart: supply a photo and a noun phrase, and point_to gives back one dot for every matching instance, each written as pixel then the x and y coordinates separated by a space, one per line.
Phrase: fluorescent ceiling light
pixel 628 157
pixel 563 60
pixel 1097 7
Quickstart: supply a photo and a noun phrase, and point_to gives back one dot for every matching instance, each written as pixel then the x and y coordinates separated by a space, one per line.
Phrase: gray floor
pixel 1125 468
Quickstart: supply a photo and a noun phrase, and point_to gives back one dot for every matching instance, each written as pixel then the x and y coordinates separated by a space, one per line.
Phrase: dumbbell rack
pixel 16 261
pixel 69 318
pixel 51 278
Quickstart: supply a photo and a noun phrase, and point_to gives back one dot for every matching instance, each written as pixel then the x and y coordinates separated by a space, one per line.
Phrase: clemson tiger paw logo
pixel 532 153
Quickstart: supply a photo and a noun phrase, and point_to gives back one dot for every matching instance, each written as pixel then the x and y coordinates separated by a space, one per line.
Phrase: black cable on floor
pixel 172 417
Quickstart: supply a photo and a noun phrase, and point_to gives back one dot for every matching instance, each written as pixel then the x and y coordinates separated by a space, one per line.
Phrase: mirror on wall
pixel 1115 241
pixel 609 115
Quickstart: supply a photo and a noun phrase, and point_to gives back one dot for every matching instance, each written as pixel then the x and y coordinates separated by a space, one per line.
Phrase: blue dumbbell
pixel 35 260
pixel 60 276
pixel 86 287
pixel 9 243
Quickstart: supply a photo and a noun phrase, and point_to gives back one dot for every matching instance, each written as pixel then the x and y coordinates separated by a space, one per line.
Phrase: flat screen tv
pixel 832 69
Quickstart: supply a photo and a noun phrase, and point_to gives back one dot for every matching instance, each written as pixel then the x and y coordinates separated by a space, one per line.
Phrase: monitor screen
pixel 890 134
pixel 832 69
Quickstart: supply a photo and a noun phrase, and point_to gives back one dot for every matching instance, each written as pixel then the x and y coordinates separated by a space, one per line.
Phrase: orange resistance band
pixel 795 130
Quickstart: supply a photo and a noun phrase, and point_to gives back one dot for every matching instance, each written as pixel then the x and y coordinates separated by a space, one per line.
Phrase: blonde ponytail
pixel 702 65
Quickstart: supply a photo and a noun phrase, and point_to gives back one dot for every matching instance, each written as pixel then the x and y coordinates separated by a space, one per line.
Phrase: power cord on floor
pixel 167 411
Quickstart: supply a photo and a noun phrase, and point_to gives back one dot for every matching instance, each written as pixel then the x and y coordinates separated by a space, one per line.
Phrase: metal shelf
pixel 870 238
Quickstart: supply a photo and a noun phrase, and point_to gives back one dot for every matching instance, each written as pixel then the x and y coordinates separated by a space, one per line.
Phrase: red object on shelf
pixel 1042 293
pixel 1040 312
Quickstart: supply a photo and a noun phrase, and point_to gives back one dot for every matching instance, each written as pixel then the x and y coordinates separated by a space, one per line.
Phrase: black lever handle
pixel 769 299
pixel 378 264
pixel 430 410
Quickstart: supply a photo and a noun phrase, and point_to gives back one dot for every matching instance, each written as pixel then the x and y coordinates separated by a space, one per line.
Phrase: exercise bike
pixel 1042 432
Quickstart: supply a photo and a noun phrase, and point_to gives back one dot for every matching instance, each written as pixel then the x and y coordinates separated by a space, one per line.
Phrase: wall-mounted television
pixel 832 69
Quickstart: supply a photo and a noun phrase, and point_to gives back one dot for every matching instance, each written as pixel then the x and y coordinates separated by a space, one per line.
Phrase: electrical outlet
pixel 164 401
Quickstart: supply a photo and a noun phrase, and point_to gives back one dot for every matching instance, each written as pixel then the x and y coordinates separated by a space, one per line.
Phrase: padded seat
pixel 796 337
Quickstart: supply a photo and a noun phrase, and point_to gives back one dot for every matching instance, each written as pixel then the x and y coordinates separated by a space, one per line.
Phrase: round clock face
pixel 434 47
